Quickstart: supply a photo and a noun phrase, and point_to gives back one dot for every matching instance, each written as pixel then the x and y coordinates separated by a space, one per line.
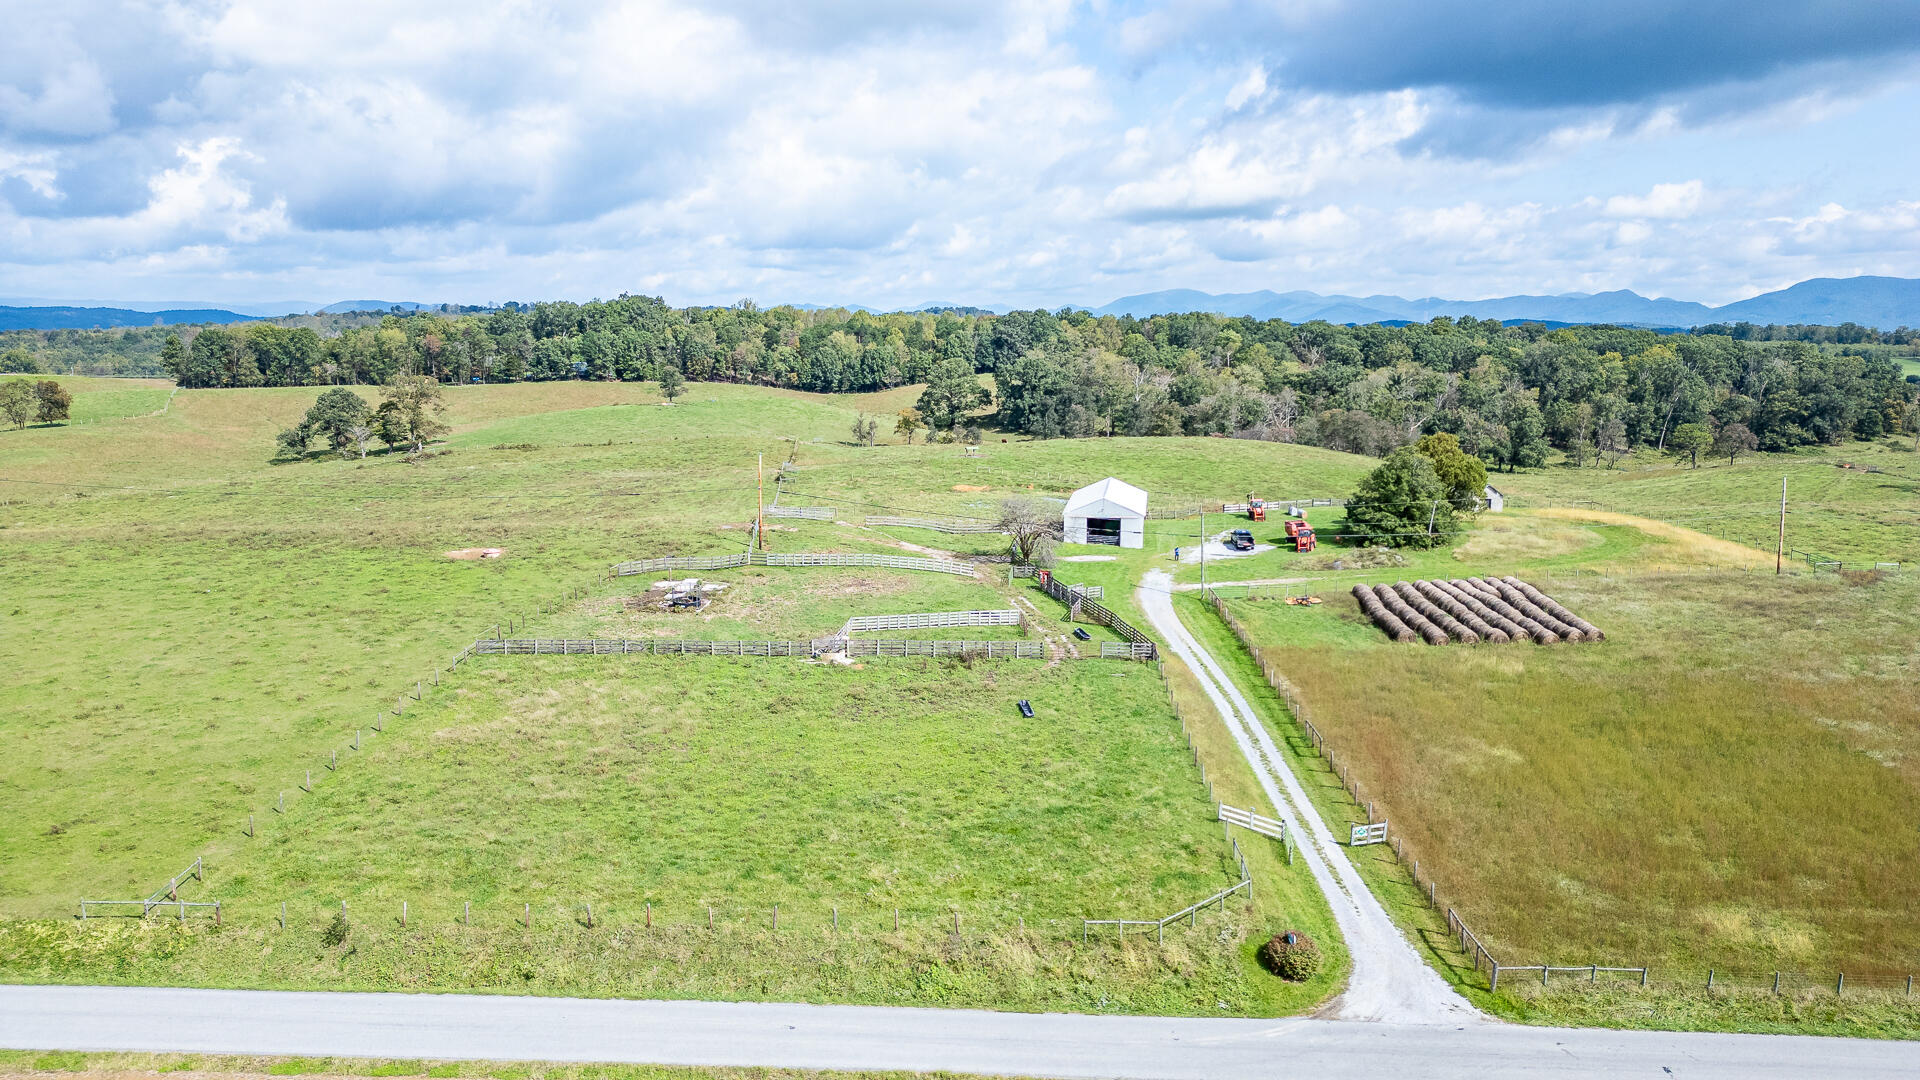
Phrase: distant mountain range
pixel 1881 302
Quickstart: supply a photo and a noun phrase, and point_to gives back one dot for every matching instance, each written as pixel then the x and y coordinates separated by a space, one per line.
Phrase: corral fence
pixel 991 650
pixel 762 558
pixel 945 525
pixel 809 513
pixel 859 623
pixel 1081 606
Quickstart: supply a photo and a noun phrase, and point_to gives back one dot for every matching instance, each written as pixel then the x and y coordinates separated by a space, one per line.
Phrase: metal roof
pixel 1110 498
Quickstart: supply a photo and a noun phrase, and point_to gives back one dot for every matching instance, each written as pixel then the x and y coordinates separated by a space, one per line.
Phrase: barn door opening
pixel 1103 531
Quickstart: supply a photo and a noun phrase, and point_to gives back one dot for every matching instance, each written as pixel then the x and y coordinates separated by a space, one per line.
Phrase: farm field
pixel 1714 786
pixel 200 626
pixel 1834 511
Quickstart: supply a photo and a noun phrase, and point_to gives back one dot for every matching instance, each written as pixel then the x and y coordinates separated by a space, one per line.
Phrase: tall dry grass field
pixel 1730 780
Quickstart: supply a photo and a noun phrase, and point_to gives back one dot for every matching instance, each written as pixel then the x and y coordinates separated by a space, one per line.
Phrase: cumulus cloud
pixel 987 152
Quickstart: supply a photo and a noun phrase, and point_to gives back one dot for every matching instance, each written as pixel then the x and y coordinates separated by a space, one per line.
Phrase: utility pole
pixel 1432 512
pixel 760 501
pixel 1780 548
pixel 1203 551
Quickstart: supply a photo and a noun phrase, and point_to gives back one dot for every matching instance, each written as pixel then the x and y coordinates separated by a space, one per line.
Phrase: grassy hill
pixel 200 626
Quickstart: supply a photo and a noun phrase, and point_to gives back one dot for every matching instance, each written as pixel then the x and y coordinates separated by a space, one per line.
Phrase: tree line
pixel 1509 394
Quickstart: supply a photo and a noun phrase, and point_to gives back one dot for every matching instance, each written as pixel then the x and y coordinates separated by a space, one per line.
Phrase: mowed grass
pixel 197 626
pixel 1851 514
pixel 731 829
pixel 1723 783
pixel 739 783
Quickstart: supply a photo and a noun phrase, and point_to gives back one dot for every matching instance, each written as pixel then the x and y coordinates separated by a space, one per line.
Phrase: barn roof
pixel 1109 498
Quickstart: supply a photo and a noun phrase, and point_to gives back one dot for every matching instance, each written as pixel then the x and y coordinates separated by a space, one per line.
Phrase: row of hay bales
pixel 1470 610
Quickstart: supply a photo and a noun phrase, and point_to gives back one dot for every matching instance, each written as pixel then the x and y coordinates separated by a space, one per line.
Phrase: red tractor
pixel 1301 534
pixel 1256 508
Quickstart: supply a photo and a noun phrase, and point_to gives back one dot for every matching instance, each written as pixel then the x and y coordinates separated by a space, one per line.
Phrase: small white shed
pixel 1491 498
pixel 1109 512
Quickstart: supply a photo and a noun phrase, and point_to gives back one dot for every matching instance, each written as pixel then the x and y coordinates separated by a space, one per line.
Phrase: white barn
pixel 1109 512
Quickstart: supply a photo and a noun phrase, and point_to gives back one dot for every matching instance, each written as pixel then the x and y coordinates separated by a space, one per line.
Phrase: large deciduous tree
pixel 416 406
pixel 51 402
pixel 1402 502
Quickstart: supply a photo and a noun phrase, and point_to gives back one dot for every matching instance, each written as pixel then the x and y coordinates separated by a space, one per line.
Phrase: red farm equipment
pixel 1256 508
pixel 1301 534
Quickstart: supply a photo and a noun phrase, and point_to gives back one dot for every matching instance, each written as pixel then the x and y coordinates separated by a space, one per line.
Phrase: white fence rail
pixel 758 558
pixel 995 650
pixel 992 650
pixel 858 623
pixel 810 513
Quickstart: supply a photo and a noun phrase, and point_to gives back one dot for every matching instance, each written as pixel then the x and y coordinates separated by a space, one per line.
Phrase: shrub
pixel 1291 955
pixel 336 931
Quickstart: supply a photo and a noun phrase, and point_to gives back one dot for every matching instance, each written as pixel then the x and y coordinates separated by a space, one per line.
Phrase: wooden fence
pixel 945 525
pixel 1082 606
pixel 859 623
pixel 995 650
pixel 991 650
pixel 810 513
pixel 760 558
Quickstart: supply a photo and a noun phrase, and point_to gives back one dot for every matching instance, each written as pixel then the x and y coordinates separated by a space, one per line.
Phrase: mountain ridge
pixel 1884 303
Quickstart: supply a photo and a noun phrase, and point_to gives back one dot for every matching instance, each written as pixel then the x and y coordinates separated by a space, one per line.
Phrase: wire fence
pixel 808 513
pixel 960 526
pixel 761 558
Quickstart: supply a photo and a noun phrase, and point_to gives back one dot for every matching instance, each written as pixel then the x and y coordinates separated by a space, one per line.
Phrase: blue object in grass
pixel 1026 708
pixel 1081 633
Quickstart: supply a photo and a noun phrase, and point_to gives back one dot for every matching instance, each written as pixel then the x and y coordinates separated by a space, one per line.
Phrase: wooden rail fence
pixel 924 619
pixel 994 650
pixel 1080 605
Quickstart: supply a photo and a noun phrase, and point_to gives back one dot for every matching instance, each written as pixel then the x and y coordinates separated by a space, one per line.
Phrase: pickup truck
pixel 1240 540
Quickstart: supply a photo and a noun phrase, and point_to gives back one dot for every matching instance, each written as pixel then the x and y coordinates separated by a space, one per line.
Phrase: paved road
pixel 426 1026
pixel 1390 982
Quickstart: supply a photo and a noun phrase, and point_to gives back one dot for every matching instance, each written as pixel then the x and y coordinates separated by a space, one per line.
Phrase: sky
pixel 1028 154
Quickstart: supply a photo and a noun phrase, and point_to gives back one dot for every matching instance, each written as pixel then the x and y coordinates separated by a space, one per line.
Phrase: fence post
pixel 466 914
pixel 249 824
pixel 1776 983
pixel 403 913
pixel 526 914
pixel 1840 984
pixel 1643 976
pixel 1493 983
pixel 1709 978
pixel 776 916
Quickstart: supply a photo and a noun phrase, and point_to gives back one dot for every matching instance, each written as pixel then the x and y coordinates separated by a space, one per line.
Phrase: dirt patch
pixel 971 487
pixel 477 553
